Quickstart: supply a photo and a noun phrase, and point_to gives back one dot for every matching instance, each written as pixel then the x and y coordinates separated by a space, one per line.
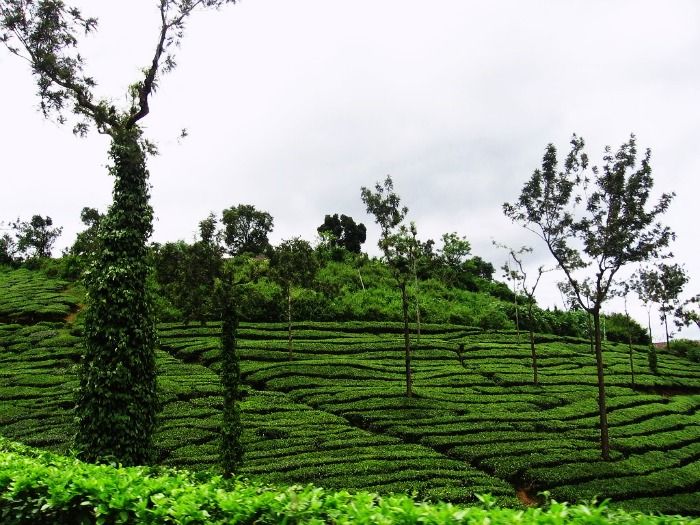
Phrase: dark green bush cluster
pixel 687 348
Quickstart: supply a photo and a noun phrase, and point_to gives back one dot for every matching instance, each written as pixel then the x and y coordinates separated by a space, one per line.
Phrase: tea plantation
pixel 337 414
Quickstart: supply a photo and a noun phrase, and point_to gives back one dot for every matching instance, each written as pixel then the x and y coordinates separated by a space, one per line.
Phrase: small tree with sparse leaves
pixel 293 264
pixel 528 288
pixel 398 244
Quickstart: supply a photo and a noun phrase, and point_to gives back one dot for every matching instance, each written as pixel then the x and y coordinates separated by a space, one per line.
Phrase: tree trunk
pixel 651 356
pixel 668 339
pixel 289 322
pixel 362 283
pixel 517 317
pixel 117 400
pixel 532 345
pixel 629 339
pixel 407 341
pixel 629 342
pixel 231 447
pixel 415 276
pixel 604 438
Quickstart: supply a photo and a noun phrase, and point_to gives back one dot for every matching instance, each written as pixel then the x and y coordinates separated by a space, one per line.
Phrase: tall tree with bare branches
pixel 117 400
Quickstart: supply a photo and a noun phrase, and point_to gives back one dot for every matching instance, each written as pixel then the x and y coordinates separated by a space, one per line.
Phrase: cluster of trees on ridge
pixel 117 400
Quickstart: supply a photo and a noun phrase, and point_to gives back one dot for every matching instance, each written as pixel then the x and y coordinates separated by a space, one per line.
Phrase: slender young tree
pixel 117 399
pixel 614 229
pixel 663 284
pixel 415 254
pixel 642 286
pixel 528 288
pixel 514 277
pixel 397 245
pixel 624 292
pixel 293 264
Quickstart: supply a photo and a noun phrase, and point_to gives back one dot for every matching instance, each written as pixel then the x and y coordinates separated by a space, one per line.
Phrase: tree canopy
pixel 344 232
pixel 246 229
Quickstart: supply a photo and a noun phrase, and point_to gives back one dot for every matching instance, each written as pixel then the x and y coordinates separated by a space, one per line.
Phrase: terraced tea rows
pixel 337 415
pixel 481 408
pixel 29 297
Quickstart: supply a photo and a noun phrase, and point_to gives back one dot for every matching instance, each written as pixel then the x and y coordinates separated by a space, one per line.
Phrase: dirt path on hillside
pixel 70 318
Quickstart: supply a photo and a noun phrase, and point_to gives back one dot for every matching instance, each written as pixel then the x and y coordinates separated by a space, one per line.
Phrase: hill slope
pixel 337 416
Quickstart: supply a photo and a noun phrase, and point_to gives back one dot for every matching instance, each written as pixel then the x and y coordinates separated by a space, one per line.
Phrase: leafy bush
pixel 38 487
pixel 687 348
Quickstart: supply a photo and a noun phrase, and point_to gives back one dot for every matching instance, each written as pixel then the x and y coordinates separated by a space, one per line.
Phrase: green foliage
pixel 246 229
pixel 35 238
pixel 688 348
pixel 117 401
pixel 185 275
pixel 37 487
pixel 86 243
pixel 652 359
pixel 343 232
pixel 686 313
pixel 8 250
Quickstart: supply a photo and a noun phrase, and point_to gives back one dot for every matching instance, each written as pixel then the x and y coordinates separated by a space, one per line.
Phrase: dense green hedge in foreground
pixel 40 487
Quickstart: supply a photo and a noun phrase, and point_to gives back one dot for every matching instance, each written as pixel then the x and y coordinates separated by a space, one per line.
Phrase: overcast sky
pixel 293 106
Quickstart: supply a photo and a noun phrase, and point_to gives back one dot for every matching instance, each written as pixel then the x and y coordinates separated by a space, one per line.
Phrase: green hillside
pixel 337 416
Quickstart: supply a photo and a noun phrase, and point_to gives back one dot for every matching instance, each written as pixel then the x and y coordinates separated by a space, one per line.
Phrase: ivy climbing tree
pixel 117 400
pixel 231 447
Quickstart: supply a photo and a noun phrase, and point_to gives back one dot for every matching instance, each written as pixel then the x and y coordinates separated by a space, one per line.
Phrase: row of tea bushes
pixel 39 487
pixel 484 410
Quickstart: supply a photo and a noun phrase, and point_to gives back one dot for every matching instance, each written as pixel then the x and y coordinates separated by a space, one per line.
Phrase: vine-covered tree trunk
pixel 231 448
pixel 406 340
pixel 289 322
pixel 517 317
pixel 117 401
pixel 533 350
pixel 602 408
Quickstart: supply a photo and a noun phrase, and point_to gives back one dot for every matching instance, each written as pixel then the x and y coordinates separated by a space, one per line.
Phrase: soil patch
pixel 525 496
pixel 70 318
